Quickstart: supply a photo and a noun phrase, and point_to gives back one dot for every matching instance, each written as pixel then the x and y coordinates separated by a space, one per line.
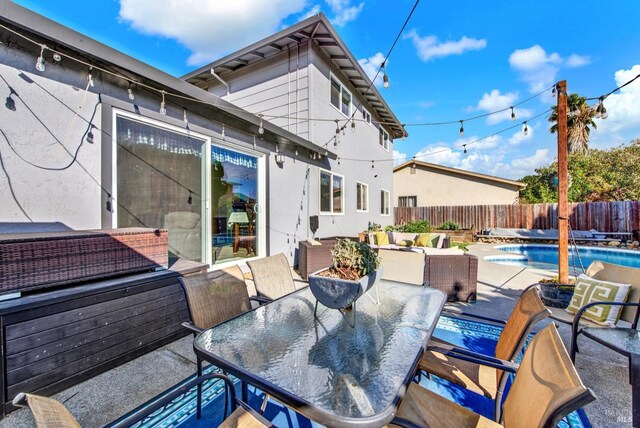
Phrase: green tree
pixel 579 123
pixel 595 176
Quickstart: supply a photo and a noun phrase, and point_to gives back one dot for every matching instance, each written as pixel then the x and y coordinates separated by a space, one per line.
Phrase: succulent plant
pixel 348 255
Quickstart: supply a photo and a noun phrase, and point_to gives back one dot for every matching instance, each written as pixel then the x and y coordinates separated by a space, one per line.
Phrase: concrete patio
pixel 108 396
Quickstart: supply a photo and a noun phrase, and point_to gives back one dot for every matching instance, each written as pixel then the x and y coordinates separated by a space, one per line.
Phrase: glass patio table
pixel 321 367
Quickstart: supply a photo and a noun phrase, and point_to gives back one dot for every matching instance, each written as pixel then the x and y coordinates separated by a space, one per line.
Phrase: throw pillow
pixel 382 238
pixel 589 290
pixel 427 240
pixel 406 243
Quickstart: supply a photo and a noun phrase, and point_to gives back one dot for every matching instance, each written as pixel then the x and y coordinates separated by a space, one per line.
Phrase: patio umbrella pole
pixel 563 185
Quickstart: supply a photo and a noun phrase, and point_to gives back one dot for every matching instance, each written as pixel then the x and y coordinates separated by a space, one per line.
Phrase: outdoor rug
pixel 473 335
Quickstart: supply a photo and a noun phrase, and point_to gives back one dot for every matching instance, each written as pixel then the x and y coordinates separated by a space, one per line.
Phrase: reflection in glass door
pixel 234 205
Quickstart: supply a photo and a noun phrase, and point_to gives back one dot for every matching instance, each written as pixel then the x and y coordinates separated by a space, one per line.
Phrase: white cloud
pixel 520 167
pixel 371 66
pixel 315 9
pixel 399 157
pixel 474 144
pixel 209 29
pixel 539 69
pixel 429 47
pixel 575 60
pixel 426 104
pixel 343 11
pixel 622 125
pixel 494 101
pixel 441 154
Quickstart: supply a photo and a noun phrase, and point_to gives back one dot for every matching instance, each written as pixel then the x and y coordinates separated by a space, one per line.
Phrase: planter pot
pixel 554 296
pixel 338 293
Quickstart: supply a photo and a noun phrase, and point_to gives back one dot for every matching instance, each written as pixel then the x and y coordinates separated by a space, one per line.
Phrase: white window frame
pixel 388 200
pixel 331 174
pixel 342 88
pixel 366 116
pixel 366 199
pixel 384 143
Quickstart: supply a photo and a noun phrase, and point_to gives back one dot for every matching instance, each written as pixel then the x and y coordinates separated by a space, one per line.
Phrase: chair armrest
pixel 189 326
pixel 145 410
pixel 260 299
pixel 465 314
pixel 583 309
pixel 474 357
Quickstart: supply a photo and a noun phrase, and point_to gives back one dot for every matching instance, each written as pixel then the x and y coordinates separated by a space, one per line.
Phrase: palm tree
pixel 579 120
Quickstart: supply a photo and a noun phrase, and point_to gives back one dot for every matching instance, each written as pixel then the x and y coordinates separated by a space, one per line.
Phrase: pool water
pixel 546 257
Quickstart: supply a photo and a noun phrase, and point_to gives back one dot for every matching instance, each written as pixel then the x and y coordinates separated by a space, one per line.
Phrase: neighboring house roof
pixel 317 29
pixel 427 165
pixel 65 39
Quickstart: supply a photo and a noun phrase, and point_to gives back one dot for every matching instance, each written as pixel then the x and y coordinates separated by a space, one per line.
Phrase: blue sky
pixel 455 60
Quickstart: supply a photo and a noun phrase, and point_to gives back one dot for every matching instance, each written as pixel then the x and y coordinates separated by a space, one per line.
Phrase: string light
pixel 10 102
pixel 132 97
pixel 413 167
pixel 190 199
pixel 553 91
pixel 526 128
pixel 184 117
pixel 40 60
pixel 353 126
pixel 513 114
pixel 601 111
pixel 260 128
pixel 108 205
pixel 279 158
pixel 372 165
pixel 223 135
pixel 90 77
pixel 465 148
pixel 385 77
pixel 296 150
pixel 337 127
pixel 461 128
pixel 163 107
pixel 90 135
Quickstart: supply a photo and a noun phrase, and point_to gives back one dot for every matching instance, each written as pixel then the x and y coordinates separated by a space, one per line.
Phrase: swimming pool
pixel 546 256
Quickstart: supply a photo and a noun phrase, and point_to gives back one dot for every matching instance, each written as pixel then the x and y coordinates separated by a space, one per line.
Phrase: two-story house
pixel 95 139
pixel 305 80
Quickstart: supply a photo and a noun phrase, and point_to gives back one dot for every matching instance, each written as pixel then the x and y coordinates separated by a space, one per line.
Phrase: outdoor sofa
pixel 407 242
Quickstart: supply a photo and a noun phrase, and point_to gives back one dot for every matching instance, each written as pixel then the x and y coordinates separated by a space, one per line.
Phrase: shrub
pixel 389 228
pixel 416 227
pixel 374 227
pixel 354 259
pixel 449 225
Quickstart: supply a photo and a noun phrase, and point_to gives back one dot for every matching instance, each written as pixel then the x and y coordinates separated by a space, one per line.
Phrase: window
pixel 366 116
pixel 362 193
pixel 407 201
pixel 385 197
pixel 331 194
pixel 340 97
pixel 384 139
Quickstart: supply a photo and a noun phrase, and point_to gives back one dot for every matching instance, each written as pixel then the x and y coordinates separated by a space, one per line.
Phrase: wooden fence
pixel 622 216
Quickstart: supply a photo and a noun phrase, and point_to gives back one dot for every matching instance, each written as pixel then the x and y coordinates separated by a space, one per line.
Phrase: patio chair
pixel 546 388
pixel 629 314
pixel 441 359
pixel 50 413
pixel 272 277
pixel 212 298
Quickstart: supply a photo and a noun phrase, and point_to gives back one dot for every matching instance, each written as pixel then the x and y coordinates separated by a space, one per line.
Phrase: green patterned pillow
pixel 427 240
pixel 382 238
pixel 595 290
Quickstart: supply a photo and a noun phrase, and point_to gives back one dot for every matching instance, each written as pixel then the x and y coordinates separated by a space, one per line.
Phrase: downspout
pixel 297 83
pixel 289 88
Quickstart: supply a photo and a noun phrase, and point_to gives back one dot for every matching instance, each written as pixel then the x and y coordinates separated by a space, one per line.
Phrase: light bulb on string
pixel 260 128
pixel 338 160
pixel 385 77
pixel 513 114
pixel 372 165
pixel 163 106
pixel 190 199
pixel 132 97
pixel 40 60
pixel 337 127
pixel 296 150
pixel 353 125
pixel 90 77
pixel 526 128
pixel 465 148
pixel 461 128
pixel 224 137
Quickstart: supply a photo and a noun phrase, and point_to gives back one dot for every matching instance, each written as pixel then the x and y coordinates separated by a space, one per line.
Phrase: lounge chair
pixel 441 358
pixel 546 388
pixel 50 413
pixel 272 277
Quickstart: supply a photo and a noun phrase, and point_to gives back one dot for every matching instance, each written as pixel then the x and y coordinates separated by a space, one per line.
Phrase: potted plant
pixel 355 269
pixel 554 294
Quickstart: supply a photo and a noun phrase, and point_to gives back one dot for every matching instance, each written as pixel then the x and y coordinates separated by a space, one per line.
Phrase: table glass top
pixel 343 371
pixel 625 339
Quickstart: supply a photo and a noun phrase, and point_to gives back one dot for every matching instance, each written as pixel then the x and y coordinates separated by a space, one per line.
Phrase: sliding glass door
pixel 235 205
